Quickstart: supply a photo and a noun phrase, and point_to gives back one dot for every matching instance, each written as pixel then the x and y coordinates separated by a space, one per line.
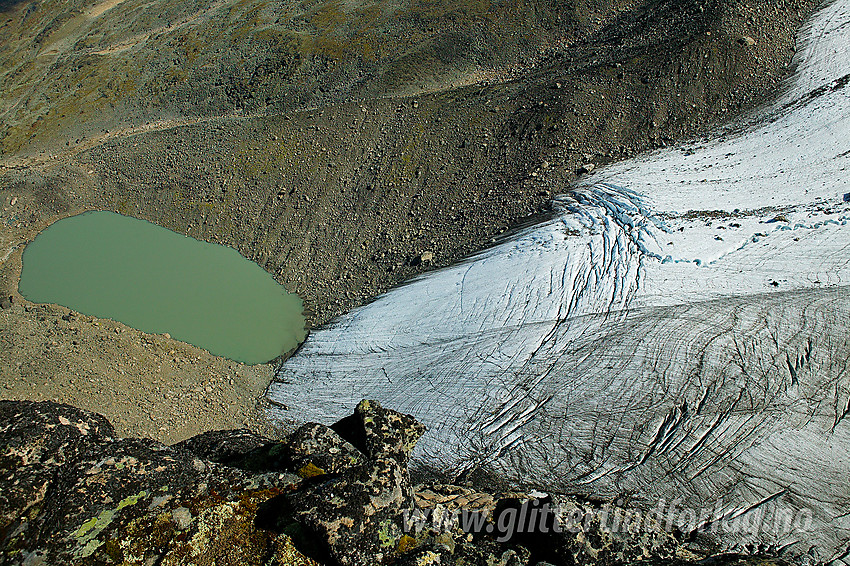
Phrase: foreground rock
pixel 360 507
pixel 73 493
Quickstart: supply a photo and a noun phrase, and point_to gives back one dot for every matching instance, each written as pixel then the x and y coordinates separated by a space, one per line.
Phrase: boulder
pixel 377 432
pixel 224 446
pixel 315 449
pixel 357 514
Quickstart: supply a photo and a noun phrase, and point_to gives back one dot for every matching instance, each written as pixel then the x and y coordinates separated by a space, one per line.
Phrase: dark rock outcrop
pixel 224 446
pixel 37 440
pixel 73 494
pixel 361 507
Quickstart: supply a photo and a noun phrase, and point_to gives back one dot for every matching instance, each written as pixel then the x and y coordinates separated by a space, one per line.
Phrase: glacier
pixel 679 330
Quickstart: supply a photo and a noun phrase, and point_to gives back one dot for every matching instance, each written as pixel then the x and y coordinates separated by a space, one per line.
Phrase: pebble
pixel 182 517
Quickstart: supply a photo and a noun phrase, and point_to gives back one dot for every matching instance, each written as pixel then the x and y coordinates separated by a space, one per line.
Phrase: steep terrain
pixel 334 143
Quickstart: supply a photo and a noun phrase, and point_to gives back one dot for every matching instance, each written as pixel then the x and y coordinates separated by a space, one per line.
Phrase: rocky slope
pixel 678 331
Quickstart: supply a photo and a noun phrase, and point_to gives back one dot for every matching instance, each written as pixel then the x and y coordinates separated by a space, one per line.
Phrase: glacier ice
pixel 680 330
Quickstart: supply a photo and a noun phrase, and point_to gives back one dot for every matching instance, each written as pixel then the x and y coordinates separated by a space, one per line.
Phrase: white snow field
pixel 680 330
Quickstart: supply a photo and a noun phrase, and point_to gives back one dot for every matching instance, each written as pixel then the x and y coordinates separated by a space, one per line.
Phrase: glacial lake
pixel 112 266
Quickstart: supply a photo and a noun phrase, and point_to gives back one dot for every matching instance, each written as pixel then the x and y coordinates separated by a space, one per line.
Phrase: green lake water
pixel 112 266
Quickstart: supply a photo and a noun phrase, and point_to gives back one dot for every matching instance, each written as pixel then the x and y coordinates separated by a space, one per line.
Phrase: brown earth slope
pixel 331 142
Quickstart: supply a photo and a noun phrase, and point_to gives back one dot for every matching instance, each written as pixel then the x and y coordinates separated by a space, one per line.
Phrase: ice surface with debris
pixel 680 331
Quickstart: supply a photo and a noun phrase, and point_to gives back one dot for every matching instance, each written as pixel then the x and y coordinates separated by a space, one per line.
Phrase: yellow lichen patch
pixel 428 558
pixel 287 555
pixel 310 470
pixel 141 534
pixel 227 534
pixel 86 535
pixel 251 500
pixel 406 543
pixel 210 524
pixel 388 534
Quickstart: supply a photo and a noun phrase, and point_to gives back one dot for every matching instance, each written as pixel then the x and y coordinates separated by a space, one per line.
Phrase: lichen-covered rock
pixel 129 501
pixel 315 449
pixel 239 449
pixel 36 440
pixel 609 534
pixel 71 493
pixel 358 512
pixel 559 529
pixel 721 560
pixel 380 432
pixel 451 497
pixel 492 555
pixel 224 446
pixel 312 450
pixel 467 553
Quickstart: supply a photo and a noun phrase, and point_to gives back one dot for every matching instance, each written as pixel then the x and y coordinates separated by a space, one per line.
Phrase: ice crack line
pixel 601 275
pixel 621 232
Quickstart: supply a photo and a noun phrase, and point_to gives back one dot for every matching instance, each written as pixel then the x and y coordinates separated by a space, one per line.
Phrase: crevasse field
pixel 681 328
